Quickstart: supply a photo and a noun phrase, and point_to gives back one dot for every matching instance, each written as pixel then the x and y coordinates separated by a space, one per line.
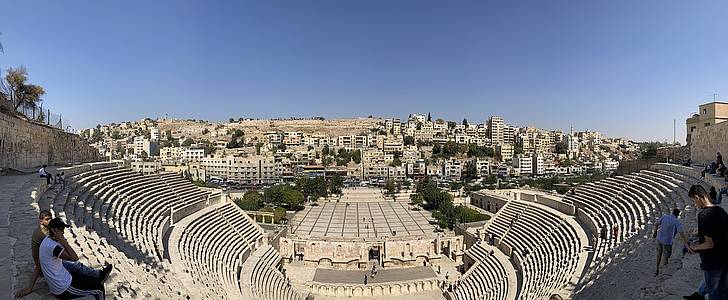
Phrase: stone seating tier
pixel 261 279
pixel 135 275
pixel 548 262
pixel 212 245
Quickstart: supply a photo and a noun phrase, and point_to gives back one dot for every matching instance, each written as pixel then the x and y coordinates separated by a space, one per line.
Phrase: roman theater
pixel 169 239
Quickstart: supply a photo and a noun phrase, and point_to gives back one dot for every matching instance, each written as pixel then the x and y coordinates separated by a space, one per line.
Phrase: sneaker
pixel 104 274
pixel 694 296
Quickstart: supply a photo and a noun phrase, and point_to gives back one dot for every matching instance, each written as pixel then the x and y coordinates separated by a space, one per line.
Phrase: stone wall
pixel 706 141
pixel 488 201
pixel 354 254
pixel 373 290
pixel 25 145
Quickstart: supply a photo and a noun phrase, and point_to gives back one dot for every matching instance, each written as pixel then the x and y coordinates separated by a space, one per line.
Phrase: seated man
pixel 65 284
pixel 44 174
pixel 72 266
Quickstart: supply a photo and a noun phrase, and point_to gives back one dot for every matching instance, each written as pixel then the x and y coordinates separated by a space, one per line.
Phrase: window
pixel 705 111
pixel 707 124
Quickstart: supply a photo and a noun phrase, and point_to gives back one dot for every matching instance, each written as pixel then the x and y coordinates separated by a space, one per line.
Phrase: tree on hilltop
pixel 15 90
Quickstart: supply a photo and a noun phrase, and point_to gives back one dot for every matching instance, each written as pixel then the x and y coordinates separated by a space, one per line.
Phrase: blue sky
pixel 625 68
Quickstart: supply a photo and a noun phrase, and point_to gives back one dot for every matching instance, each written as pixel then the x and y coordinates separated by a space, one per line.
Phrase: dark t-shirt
pixel 713 222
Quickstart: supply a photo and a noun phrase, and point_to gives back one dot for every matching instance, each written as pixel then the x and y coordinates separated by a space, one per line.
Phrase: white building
pixel 146 167
pixel 193 155
pixel 245 170
pixel 453 169
pixel 483 167
pixel 504 151
pixel 171 154
pixel 538 165
pixel 572 146
pixel 523 165
pixel 154 134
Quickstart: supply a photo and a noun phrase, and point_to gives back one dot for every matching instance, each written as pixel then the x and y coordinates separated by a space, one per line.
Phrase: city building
pixel 522 165
pixel 252 170
pixel 495 130
pixel 708 114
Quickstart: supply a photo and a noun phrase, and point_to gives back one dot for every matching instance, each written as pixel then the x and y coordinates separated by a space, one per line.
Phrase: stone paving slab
pixel 361 219
pixel 383 275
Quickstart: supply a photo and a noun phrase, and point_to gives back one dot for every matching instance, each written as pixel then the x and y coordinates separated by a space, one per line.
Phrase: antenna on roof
pixel 715 95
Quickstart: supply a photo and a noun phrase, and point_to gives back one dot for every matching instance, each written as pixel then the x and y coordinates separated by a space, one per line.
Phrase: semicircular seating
pixel 630 204
pixel 136 275
pixel 261 278
pixel 491 277
pixel 210 247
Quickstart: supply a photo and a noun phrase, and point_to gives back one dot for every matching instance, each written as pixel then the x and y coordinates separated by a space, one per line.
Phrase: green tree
pixel 251 200
pixel 436 149
pixel 561 148
pixel 409 140
pixel 517 150
pixel 465 122
pixel 313 188
pixel 416 199
pixel 233 143
pixel 390 187
pixel 467 215
pixel 283 195
pixel 15 89
pixel 336 183
pixel 356 156
pixel 325 150
pixel 470 171
pixel 188 142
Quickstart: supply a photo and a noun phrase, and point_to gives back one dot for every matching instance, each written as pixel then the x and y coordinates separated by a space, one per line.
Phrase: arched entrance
pixel 375 254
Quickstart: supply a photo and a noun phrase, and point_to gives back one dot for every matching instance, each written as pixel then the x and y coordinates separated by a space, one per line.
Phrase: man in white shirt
pixel 53 251
pixel 44 174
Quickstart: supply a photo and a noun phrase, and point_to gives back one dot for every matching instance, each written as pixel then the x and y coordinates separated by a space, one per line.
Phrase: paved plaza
pixel 362 220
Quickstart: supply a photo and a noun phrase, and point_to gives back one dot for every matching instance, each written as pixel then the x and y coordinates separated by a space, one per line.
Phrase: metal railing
pixel 46 116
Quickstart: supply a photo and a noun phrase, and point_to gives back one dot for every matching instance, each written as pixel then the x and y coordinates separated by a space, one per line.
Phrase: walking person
pixel 712 244
pixel 615 233
pixel 65 284
pixel 62 179
pixel 664 233
pixel 719 196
